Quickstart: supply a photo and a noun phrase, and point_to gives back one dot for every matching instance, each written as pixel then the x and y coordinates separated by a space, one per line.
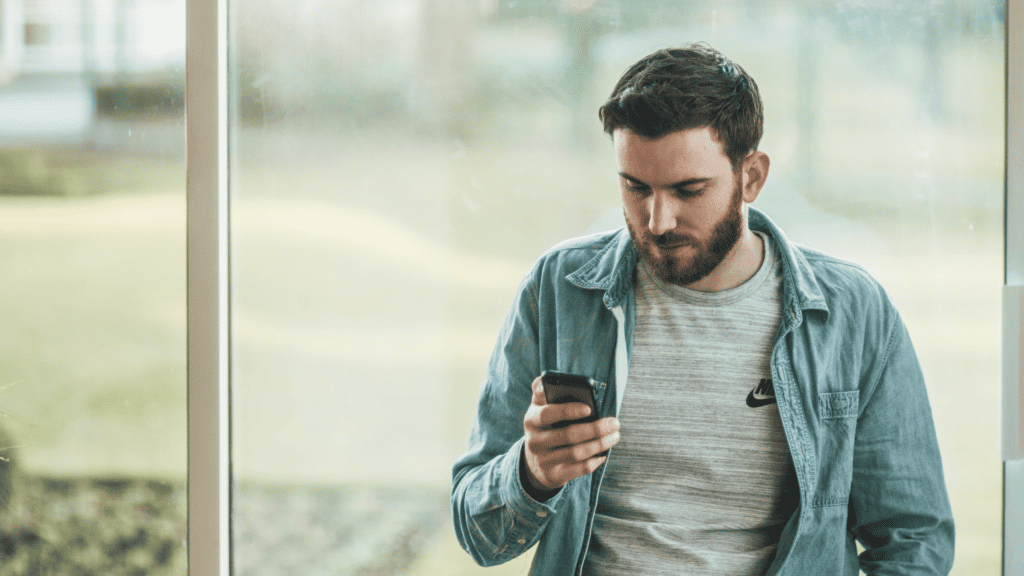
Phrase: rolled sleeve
pixel 495 519
pixel 530 515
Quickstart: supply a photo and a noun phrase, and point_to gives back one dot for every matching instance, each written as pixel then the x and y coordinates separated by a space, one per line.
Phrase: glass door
pixel 393 167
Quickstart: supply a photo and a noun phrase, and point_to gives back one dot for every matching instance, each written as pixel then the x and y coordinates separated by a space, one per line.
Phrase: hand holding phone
pixel 564 438
pixel 562 388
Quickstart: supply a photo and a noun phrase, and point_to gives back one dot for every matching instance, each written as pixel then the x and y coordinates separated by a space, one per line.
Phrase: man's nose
pixel 663 215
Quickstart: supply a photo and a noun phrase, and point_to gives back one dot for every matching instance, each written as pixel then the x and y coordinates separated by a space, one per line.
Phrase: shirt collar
pixel 612 270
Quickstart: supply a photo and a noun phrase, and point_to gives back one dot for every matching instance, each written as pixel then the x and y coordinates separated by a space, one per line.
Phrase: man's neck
pixel 738 266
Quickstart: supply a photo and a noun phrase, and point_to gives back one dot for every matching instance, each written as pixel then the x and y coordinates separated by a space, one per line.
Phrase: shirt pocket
pixel 837 413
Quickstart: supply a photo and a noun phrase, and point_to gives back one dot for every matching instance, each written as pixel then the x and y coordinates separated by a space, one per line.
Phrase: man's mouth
pixel 672 244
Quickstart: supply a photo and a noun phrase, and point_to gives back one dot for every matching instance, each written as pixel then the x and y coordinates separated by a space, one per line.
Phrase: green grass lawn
pixel 94 333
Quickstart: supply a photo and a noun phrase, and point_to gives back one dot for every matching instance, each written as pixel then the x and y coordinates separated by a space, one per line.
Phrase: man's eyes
pixel 685 193
pixel 642 190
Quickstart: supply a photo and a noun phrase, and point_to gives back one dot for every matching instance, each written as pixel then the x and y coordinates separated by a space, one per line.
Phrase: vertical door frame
pixel 1013 386
pixel 206 122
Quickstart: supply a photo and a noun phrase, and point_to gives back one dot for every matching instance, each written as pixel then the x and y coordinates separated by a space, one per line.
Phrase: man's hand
pixel 556 455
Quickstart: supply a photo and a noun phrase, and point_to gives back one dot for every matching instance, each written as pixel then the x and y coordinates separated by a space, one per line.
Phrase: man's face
pixel 682 201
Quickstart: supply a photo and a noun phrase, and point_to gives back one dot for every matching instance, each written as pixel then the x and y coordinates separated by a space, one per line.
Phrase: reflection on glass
pixel 92 253
pixel 397 165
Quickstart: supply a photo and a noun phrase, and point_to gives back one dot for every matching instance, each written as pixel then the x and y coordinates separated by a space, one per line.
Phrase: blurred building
pixel 65 63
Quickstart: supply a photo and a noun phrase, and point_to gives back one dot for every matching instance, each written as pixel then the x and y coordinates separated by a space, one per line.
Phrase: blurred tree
pixel 444 86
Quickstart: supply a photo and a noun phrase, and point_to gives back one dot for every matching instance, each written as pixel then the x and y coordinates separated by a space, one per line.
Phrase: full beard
pixel 709 253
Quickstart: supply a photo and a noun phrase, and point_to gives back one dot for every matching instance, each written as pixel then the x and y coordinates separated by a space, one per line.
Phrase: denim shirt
pixel 850 394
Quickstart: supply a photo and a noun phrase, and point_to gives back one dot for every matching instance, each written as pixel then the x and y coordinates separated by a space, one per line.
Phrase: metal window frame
pixel 1013 469
pixel 206 122
pixel 208 276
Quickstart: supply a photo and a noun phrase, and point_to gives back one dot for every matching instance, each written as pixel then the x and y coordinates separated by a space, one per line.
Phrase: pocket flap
pixel 839 404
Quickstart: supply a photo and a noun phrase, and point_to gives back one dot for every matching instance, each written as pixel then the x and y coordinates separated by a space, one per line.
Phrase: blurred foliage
pixel 81 171
pixel 37 171
pixel 85 526
pixel 149 97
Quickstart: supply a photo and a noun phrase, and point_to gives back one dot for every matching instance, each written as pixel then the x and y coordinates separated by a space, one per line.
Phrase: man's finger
pixel 587 450
pixel 538 393
pixel 586 431
pixel 566 469
pixel 568 411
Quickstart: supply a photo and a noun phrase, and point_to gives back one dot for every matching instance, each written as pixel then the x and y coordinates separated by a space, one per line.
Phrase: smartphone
pixel 560 387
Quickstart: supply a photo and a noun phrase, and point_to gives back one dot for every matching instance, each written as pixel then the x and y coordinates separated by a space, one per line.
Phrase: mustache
pixel 672 239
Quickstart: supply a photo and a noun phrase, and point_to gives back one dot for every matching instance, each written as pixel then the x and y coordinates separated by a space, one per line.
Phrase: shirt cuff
pixel 521 503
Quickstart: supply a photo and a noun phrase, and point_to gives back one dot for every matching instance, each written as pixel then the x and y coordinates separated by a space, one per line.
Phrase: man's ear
pixel 755 173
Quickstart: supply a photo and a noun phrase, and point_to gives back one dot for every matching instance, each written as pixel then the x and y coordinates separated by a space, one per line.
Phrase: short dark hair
pixel 691 86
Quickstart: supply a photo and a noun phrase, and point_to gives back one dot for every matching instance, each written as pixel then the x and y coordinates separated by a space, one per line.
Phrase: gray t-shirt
pixel 702 481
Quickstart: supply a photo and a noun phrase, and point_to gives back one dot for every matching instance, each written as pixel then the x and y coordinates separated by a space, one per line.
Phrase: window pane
pixel 398 165
pixel 92 239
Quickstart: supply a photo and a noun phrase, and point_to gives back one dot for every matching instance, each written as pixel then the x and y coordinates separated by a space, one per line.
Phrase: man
pixel 775 413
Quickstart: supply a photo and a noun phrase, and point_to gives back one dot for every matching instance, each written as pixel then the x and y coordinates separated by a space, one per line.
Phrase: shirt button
pixel 542 513
pixel 522 540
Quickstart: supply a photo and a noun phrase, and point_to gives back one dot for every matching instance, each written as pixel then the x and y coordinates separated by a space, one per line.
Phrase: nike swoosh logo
pixel 758 402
